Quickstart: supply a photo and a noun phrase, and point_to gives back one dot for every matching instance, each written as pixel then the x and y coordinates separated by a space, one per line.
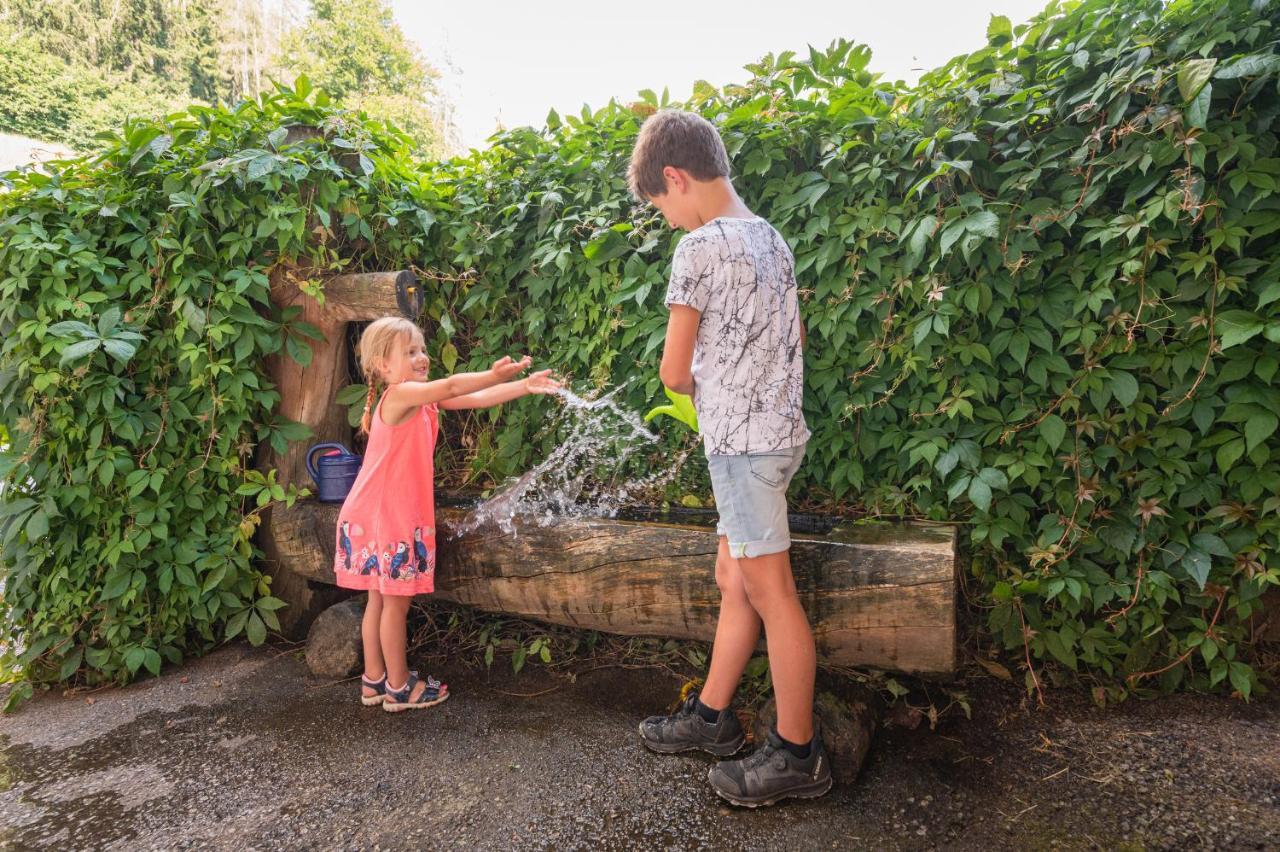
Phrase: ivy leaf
pixel 255 630
pixel 1053 429
pixel 1211 544
pixel 980 493
pixel 947 462
pixel 1254 65
pixel 1193 75
pixel 1198 109
pixel 352 394
pixel 119 349
pixel 1241 678
pixel 1229 453
pixel 76 351
pixel 1258 428
pixel 1197 564
pixel 984 223
pixel 999 31
pixel 1124 387
pixel 1238 327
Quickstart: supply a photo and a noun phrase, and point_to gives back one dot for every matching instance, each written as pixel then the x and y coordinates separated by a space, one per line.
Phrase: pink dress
pixel 387 527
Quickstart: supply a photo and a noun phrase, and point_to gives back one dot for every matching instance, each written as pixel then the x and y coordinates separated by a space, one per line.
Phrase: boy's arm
pixel 539 382
pixel 677 354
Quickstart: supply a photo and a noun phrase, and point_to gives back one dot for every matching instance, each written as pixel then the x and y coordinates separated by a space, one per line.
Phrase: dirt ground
pixel 244 749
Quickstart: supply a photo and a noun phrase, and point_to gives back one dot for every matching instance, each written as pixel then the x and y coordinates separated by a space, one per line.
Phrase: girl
pixel 386 529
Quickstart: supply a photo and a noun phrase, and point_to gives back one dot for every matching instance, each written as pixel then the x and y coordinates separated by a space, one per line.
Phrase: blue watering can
pixel 337 473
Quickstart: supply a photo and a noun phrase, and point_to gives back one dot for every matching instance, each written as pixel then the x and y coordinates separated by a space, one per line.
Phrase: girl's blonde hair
pixel 376 345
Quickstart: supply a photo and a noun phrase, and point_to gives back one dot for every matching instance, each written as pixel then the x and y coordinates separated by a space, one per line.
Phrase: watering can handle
pixel 311 468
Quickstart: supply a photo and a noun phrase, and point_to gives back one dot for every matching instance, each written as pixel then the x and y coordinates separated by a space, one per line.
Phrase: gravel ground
pixel 244 749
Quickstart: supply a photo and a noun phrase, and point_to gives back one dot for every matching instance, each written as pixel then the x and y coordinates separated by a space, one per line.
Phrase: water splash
pixel 584 476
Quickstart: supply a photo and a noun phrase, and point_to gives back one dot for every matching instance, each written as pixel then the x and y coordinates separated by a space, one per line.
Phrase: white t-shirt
pixel 748 367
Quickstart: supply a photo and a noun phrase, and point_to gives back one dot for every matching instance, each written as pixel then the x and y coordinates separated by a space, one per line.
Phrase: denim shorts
pixel 751 496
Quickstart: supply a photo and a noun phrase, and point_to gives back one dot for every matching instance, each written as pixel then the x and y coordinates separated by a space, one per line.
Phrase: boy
pixel 734 343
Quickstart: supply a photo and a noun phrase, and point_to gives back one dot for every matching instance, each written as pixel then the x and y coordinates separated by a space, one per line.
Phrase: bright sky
pixel 513 61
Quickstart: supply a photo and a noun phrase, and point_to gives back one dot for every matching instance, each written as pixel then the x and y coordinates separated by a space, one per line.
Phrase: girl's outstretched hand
pixel 542 382
pixel 505 369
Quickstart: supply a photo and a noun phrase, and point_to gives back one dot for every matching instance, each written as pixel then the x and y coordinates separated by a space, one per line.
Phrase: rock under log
pixel 878 594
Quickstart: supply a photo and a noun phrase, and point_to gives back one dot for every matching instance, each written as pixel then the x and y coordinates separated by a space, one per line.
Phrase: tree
pixel 354 50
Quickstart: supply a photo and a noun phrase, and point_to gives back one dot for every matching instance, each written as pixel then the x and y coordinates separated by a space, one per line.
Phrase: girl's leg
pixel 374 666
pixel 737 632
pixel 391 632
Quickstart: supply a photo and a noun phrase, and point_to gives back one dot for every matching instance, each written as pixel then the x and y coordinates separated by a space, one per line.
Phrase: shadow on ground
pixel 244 749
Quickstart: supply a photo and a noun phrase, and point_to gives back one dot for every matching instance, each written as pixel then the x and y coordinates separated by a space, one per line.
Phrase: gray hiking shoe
pixel 686 730
pixel 772 773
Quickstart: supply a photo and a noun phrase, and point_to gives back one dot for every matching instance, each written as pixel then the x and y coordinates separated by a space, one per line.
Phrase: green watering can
pixel 681 408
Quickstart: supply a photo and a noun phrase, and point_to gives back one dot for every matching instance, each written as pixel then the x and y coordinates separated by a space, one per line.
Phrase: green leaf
pixel 1259 428
pixel 1197 565
pixel 37 525
pixel 1237 327
pixel 999 30
pixel 76 351
pixel 980 493
pixel 1193 75
pixel 1229 453
pixel 1124 387
pixel 255 630
pixel 1241 677
pixel 119 349
pixel 1198 109
pixel 984 223
pixel 1211 544
pixel 134 658
pixel 352 394
pixel 1053 429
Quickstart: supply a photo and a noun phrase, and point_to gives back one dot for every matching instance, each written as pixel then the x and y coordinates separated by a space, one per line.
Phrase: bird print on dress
pixel 420 551
pixel 344 539
pixel 399 559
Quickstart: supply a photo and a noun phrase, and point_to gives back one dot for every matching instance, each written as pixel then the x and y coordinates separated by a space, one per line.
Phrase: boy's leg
pixel 374 666
pixel 737 632
pixel 771 588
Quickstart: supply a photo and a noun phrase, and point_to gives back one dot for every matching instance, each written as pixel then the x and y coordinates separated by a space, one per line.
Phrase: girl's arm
pixel 403 397
pixel 539 382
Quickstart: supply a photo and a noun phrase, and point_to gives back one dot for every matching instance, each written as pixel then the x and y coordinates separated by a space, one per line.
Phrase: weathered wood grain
pixel 880 595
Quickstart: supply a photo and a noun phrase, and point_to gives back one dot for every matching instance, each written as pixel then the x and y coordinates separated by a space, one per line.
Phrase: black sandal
pixel 402 698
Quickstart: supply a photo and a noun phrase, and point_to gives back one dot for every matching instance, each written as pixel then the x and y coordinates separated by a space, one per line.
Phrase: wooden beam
pixel 370 295
pixel 307 394
pixel 879 595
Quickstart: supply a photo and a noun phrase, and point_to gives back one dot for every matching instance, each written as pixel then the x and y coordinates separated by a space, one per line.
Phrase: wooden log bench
pixel 878 595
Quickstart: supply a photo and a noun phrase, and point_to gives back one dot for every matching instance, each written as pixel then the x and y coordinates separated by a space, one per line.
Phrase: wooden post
pixel 307 394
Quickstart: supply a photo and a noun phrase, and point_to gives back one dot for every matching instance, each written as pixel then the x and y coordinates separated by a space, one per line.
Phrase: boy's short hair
pixel 672 137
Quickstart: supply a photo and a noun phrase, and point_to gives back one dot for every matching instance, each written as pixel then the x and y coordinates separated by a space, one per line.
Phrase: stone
pixel 846 726
pixel 333 643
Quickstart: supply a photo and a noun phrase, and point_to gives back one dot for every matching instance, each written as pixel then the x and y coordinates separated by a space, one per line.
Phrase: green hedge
pixel 1040 287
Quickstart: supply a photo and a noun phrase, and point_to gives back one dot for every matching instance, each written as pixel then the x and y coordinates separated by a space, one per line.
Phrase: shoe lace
pixel 761 756
pixel 686 710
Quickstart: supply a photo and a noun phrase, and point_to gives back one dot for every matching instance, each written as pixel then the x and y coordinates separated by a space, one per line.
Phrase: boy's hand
pixel 504 369
pixel 542 382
